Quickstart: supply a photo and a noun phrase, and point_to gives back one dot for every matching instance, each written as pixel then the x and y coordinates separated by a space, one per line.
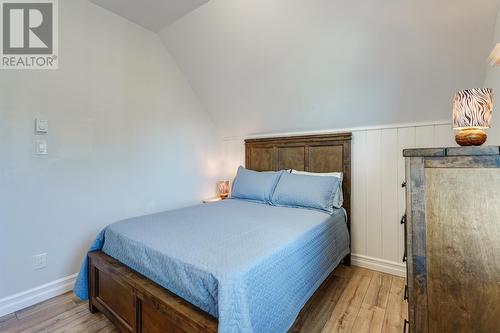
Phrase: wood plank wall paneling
pixel 424 136
pixel 378 200
pixel 494 133
pixel 358 193
pixel 372 164
pixel 389 195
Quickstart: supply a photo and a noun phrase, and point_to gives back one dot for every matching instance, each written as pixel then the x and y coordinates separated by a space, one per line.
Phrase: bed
pixel 230 266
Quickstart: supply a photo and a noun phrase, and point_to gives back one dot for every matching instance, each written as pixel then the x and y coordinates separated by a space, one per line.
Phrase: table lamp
pixel 472 112
pixel 223 189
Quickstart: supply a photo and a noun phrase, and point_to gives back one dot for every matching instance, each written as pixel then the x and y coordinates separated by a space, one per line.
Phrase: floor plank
pixel 370 319
pixel 40 313
pixel 54 305
pixel 59 321
pixel 371 315
pixel 7 317
pixel 319 308
pixel 8 320
pixel 378 291
pixel 349 304
pixel 353 300
pixel 397 309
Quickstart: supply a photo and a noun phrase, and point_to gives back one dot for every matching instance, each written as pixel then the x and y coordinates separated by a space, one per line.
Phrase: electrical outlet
pixel 40 261
pixel 41 147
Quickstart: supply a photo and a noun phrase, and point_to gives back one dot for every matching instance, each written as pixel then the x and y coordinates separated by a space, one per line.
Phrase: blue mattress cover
pixel 251 265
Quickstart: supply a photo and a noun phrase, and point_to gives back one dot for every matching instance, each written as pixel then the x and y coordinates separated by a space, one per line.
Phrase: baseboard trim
pixel 381 265
pixel 36 295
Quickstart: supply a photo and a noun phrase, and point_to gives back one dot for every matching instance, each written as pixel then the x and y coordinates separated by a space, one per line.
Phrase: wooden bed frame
pixel 136 304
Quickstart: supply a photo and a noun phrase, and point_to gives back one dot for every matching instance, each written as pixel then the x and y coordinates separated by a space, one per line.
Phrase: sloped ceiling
pixel 284 65
pixel 151 14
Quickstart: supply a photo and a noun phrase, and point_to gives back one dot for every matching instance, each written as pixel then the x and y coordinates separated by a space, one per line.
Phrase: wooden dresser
pixel 452 238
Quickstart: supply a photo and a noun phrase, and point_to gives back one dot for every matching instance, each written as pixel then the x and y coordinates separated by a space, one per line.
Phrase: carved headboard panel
pixel 313 153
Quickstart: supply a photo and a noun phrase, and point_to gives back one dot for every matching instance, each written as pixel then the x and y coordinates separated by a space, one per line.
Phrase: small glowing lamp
pixel 223 189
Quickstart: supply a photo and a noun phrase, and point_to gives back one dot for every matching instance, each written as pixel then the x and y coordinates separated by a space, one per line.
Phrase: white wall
pixel 127 137
pixel 265 66
pixel 377 197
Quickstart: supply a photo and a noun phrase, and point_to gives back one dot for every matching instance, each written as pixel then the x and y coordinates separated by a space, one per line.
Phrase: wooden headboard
pixel 313 153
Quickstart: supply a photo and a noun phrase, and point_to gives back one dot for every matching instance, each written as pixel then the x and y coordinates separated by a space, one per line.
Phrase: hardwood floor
pixel 353 299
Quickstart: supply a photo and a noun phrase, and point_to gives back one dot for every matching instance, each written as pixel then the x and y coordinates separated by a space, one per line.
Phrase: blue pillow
pixel 312 192
pixel 253 185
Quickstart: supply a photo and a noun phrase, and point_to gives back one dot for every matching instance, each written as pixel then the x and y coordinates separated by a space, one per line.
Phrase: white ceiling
pixel 297 65
pixel 151 14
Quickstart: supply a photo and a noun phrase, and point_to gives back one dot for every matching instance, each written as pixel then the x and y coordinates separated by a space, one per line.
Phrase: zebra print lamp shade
pixel 472 113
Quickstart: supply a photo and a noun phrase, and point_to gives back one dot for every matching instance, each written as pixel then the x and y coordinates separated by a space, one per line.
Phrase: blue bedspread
pixel 251 265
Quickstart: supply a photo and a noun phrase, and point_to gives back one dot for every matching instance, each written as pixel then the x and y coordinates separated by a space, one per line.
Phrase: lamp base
pixel 470 137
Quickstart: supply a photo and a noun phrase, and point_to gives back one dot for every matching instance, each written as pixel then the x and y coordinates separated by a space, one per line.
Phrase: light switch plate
pixel 41 147
pixel 41 126
pixel 40 261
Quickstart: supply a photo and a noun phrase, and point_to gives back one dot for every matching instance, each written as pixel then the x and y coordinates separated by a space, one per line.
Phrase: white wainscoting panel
pixel 358 194
pixel 372 167
pixel 378 199
pixel 389 190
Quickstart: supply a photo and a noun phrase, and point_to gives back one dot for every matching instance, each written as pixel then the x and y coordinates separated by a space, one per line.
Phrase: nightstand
pixel 212 200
